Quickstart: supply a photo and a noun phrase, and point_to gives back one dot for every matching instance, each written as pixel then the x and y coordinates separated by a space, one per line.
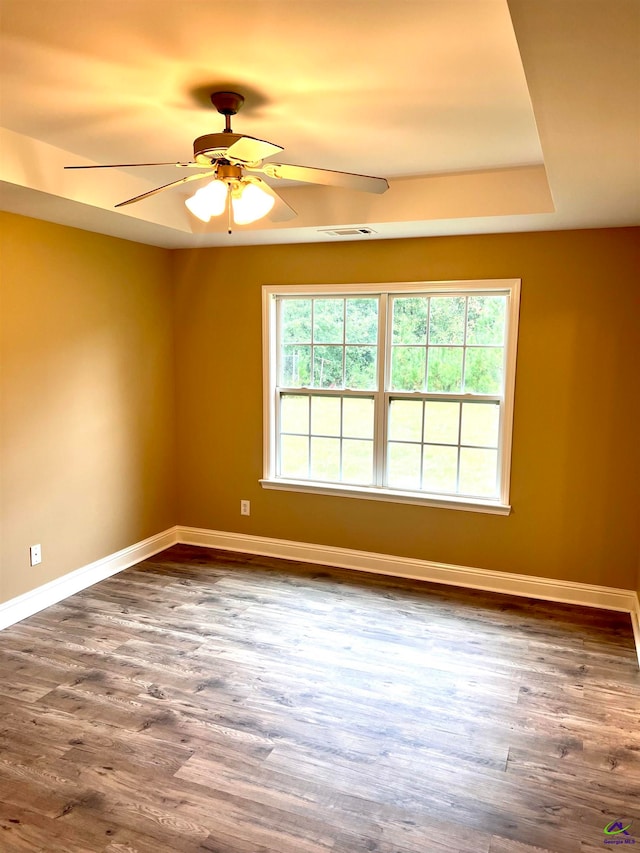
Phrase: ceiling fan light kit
pixel 226 156
pixel 250 203
pixel 208 201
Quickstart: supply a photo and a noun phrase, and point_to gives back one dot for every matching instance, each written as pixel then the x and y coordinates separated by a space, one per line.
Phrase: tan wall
pixel 86 348
pixel 576 466
pixel 87 410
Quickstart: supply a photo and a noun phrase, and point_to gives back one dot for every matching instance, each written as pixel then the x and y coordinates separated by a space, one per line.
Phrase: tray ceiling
pixel 485 115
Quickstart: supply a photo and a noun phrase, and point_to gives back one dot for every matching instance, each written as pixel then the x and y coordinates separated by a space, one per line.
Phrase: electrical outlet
pixel 245 507
pixel 35 555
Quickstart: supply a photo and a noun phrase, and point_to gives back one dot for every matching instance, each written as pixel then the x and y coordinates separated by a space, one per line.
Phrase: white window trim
pixel 500 506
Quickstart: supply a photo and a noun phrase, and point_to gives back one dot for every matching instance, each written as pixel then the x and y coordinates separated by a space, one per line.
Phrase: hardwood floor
pixel 206 701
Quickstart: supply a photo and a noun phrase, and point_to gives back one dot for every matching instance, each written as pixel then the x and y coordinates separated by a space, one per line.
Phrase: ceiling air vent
pixel 346 232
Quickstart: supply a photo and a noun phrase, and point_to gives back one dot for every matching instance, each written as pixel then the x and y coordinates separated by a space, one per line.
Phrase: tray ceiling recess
pixel 482 116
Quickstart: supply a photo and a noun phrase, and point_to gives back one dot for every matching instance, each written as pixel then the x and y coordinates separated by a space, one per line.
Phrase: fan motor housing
pixel 213 146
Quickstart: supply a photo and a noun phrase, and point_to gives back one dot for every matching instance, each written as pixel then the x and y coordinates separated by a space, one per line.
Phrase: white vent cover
pixel 346 232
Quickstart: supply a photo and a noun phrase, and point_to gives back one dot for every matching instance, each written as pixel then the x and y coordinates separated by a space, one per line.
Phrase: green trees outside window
pixel 393 390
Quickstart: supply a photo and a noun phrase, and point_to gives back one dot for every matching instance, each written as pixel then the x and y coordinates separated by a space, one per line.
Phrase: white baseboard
pixel 566 592
pixel 17 609
pixel 635 624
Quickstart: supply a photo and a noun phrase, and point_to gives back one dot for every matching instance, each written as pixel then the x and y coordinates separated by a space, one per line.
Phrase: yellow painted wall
pixel 87 403
pixel 576 450
pixel 87 455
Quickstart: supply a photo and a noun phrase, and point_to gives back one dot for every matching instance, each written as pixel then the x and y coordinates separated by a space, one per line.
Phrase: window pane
pixel 405 420
pixel 407 368
pixel 440 469
pixel 325 415
pixel 446 320
pixel 480 423
pixel 296 321
pixel 404 466
pixel 294 457
pixel 362 321
pixel 360 366
pixel 485 320
pixel 478 470
pixel 410 320
pixel 483 370
pixel 441 422
pixel 327 367
pixel 357 462
pixel 295 366
pixel 357 417
pixel 444 371
pixel 294 414
pixel 328 321
pixel 325 459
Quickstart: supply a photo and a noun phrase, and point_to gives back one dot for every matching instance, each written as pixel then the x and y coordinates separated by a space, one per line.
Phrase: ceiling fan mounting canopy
pixel 227 103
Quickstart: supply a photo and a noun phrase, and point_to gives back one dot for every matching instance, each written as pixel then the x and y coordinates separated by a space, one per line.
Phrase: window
pixel 399 392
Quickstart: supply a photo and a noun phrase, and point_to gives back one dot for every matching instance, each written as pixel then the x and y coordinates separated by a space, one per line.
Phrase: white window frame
pixel 508 287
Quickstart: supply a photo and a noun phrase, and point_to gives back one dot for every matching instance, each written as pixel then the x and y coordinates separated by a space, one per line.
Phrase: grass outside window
pixel 396 390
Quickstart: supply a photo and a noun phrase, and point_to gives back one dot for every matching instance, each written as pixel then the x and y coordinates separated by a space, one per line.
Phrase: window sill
pixel 388 495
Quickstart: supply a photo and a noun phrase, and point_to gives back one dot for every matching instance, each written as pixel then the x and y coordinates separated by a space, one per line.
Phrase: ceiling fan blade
pixel 130 165
pixel 281 211
pixel 310 175
pixel 208 174
pixel 248 149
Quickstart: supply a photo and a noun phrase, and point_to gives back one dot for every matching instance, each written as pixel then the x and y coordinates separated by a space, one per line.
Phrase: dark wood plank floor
pixel 205 701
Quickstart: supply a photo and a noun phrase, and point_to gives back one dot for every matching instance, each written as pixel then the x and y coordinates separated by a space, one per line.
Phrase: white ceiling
pixel 485 115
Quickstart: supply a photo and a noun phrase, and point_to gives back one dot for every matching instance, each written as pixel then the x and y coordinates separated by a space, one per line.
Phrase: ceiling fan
pixel 232 160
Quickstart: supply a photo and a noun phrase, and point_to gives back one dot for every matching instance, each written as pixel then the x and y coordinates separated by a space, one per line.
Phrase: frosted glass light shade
pixel 209 201
pixel 251 204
